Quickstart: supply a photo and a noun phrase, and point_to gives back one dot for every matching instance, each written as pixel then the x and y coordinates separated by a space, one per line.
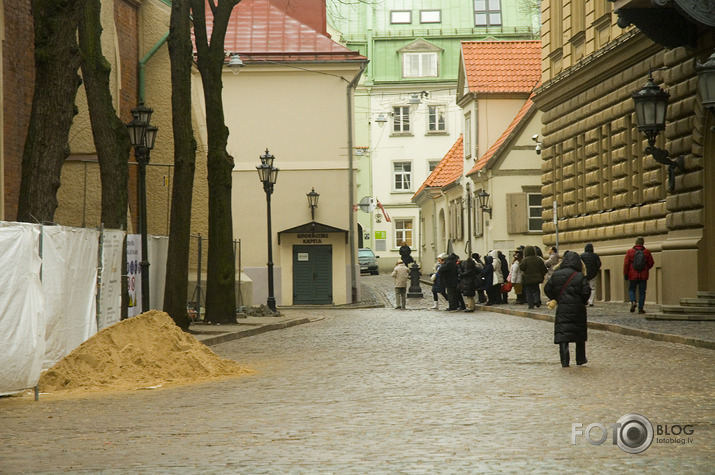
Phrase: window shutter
pixel 460 218
pixel 517 218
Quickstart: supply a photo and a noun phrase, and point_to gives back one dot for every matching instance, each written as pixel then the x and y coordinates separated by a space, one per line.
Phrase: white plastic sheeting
pixel 22 322
pixel 158 253
pixel 69 282
pixel 109 303
pixel 48 292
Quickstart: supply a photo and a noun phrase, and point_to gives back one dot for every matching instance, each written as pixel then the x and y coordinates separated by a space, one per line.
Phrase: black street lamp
pixel 142 137
pixel 651 105
pixel 483 197
pixel 312 202
pixel 706 82
pixel 268 174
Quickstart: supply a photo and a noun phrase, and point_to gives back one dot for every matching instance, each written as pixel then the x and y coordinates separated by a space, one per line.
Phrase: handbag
pixel 506 287
pixel 553 303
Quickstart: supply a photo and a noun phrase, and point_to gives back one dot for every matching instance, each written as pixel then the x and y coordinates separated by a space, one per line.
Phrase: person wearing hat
pixel 437 285
pixel 480 279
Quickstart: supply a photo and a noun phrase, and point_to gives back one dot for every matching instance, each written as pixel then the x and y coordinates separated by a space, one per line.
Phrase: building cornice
pixel 628 49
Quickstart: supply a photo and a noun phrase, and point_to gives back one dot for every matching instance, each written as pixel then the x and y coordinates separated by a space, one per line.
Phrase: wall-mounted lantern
pixel 651 105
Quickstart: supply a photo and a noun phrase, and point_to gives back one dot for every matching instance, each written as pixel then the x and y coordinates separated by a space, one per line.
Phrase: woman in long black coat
pixel 488 275
pixel 468 282
pixel 569 287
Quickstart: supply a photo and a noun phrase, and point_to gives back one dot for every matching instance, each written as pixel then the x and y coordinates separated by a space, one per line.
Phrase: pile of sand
pixel 146 351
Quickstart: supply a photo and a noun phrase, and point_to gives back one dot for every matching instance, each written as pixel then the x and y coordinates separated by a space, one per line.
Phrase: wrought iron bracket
pixel 663 157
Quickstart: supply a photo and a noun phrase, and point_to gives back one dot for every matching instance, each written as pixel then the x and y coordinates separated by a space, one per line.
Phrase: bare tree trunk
pixel 221 270
pixel 57 59
pixel 111 139
pixel 177 268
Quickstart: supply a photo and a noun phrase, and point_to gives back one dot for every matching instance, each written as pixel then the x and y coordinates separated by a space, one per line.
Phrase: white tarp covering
pixel 109 304
pixel 69 282
pixel 22 330
pixel 49 294
pixel 158 252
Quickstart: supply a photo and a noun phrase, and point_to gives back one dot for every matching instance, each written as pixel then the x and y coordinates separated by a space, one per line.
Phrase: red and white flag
pixel 387 216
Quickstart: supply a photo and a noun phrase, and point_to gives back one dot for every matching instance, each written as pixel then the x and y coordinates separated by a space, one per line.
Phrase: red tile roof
pixel 502 141
pixel 502 66
pixel 258 30
pixel 448 170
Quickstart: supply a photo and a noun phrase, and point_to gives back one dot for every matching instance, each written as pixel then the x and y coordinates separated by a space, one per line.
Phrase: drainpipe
pixel 448 223
pixel 351 180
pixel 435 223
pixel 144 60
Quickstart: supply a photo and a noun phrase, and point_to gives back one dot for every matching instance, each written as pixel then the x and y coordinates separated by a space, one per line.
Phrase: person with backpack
pixel 636 265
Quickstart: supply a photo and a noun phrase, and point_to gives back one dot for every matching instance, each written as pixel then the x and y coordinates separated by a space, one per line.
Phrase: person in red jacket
pixel 636 264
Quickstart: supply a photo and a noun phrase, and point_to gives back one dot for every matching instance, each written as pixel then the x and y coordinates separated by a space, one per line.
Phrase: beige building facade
pixel 595 175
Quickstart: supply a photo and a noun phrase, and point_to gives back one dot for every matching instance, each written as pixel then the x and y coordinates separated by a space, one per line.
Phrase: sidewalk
pixel 377 292
pixel 210 334
pixel 617 318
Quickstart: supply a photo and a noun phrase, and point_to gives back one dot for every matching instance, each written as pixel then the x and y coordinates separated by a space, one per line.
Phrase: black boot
pixel 564 354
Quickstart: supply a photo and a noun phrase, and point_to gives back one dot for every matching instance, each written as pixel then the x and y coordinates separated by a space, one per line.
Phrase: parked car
pixel 368 261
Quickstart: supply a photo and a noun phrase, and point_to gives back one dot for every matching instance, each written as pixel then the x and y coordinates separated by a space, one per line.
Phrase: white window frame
pixel 430 16
pixel 536 210
pixel 401 17
pixel 467 136
pixel 490 10
pixel 423 64
pixel 404 231
pixel 401 120
pixel 431 168
pixel 405 176
pixel 433 126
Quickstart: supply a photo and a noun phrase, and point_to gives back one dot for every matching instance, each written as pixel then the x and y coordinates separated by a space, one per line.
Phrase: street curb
pixel 664 337
pixel 215 340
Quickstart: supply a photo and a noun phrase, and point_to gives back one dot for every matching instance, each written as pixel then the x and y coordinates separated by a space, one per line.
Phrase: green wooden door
pixel 312 275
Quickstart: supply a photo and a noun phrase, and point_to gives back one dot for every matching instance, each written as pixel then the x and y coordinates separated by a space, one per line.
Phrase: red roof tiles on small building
pixel 502 66
pixel 502 141
pixel 448 170
pixel 259 30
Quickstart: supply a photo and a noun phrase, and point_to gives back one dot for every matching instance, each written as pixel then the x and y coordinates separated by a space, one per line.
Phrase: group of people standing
pixel 568 280
pixel 466 282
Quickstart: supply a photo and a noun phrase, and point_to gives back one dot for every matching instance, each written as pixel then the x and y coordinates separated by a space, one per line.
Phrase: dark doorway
pixel 312 275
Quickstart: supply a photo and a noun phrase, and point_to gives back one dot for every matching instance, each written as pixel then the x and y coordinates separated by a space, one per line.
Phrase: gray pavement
pixel 379 390
pixel 378 291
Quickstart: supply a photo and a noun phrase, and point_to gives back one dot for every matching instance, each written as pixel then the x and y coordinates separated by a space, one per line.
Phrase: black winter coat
pixel 468 278
pixel 488 272
pixel 406 255
pixel 591 261
pixel 448 272
pixel 570 323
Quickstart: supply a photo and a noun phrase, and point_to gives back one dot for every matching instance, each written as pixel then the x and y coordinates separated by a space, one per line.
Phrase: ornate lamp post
pixel 268 174
pixel 312 202
pixel 142 137
pixel 651 105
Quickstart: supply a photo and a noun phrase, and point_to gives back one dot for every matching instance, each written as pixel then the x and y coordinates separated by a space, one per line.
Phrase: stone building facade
pixel 604 188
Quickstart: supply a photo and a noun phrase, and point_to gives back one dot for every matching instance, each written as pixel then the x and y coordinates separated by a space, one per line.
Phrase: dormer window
pixel 420 59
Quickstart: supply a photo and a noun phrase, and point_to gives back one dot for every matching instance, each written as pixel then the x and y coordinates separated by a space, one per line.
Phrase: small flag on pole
pixel 387 216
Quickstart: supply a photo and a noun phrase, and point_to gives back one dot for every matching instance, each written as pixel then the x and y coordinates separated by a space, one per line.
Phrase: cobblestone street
pixel 387 391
